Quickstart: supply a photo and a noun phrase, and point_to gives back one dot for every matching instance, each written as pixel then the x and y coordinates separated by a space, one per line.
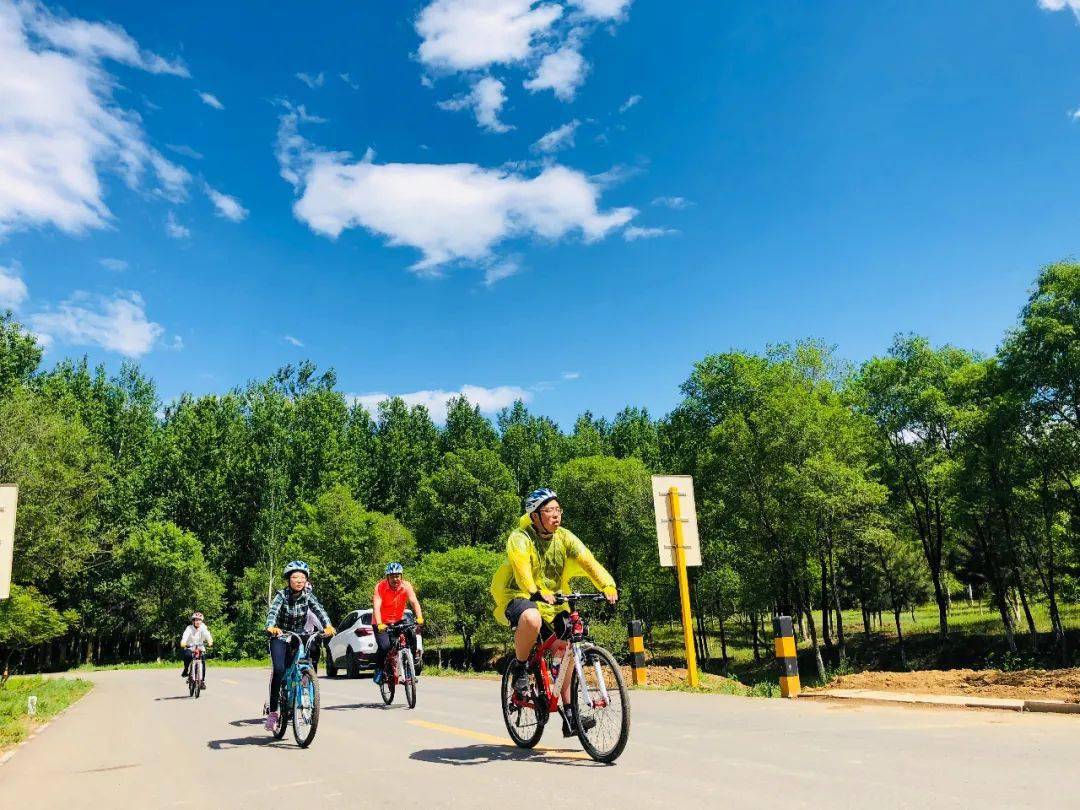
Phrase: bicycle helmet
pixel 537 498
pixel 394 568
pixel 297 565
pixel 196 615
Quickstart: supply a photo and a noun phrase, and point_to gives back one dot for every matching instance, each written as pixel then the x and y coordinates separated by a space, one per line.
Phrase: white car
pixel 353 647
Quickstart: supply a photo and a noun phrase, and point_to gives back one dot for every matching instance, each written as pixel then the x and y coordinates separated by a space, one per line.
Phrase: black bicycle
pixel 196 671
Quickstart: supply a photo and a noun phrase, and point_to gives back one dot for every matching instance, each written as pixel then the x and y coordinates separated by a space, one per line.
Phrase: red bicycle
pixel 400 666
pixel 598 695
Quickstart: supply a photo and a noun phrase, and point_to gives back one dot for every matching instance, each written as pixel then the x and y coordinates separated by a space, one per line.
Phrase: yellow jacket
pixel 547 566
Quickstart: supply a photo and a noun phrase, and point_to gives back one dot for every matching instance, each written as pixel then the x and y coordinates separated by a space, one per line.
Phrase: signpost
pixel 9 499
pixel 677 540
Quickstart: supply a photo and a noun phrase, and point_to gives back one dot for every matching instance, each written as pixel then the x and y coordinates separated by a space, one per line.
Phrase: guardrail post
pixel 784 642
pixel 637 653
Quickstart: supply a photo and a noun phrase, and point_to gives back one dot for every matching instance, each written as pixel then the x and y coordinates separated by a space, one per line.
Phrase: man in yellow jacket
pixel 542 557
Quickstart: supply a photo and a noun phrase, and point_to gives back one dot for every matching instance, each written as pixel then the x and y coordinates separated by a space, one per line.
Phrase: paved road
pixel 137 741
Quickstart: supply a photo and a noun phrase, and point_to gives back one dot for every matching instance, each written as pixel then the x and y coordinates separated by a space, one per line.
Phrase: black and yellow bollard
pixel 637 653
pixel 784 641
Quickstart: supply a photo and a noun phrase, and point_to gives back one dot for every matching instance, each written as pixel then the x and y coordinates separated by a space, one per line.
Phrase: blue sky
pixel 202 187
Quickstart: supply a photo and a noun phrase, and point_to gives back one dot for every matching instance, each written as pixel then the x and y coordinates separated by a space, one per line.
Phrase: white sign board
pixel 9 499
pixel 665 533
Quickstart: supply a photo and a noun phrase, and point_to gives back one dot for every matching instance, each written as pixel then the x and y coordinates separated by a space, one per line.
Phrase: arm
pixel 275 610
pixel 414 603
pixel 209 638
pixel 376 608
pixel 320 611
pixel 592 568
pixel 184 639
pixel 517 550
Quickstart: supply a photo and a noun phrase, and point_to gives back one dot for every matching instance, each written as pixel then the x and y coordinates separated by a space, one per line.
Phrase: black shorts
pixel 517 608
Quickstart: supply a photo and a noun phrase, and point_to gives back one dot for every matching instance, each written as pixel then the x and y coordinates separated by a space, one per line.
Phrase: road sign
pixel 9 499
pixel 678 535
pixel 665 534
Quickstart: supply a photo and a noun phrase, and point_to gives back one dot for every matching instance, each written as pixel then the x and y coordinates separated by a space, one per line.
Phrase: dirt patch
pixel 1025 684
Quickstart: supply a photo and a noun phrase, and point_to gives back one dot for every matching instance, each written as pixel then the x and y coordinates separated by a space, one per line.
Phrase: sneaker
pixel 378 677
pixel 202 685
pixel 521 677
pixel 568 729
pixel 183 674
pixel 271 721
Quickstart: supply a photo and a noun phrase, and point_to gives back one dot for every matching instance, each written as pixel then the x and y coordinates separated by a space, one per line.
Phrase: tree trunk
pixel 1027 614
pixel 756 641
pixel 840 643
pixel 820 664
pixel 865 618
pixel 723 644
pixel 826 604
pixel 900 637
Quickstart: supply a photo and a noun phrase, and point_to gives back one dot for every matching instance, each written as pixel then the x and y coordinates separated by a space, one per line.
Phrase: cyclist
pixel 388 607
pixel 289 611
pixel 542 557
pixel 196 634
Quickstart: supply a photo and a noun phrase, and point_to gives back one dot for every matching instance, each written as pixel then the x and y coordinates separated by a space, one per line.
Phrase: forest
pixel 923 475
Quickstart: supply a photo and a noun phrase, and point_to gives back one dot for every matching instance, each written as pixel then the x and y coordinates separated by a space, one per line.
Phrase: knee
pixel 530 620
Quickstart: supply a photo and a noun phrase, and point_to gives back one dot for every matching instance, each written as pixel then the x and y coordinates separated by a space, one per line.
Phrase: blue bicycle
pixel 299 697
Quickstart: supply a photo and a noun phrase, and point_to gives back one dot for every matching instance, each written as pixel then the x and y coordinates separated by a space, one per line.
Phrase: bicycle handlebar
pixel 566 598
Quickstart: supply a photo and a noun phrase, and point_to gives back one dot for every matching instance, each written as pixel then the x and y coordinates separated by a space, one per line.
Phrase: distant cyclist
pixel 289 612
pixel 388 607
pixel 542 557
pixel 197 634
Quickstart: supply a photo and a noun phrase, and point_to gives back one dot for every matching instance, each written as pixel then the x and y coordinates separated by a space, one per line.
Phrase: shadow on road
pixel 254 721
pixel 263 740
pixel 483 754
pixel 174 697
pixel 351 706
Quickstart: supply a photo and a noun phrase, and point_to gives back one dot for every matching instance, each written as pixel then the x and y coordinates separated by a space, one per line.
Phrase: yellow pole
pixel 684 586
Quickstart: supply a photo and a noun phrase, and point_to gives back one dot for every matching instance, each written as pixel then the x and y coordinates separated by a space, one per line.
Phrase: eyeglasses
pixel 551 510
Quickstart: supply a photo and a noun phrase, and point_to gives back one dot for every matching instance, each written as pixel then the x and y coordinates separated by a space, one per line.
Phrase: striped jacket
pixel 290 612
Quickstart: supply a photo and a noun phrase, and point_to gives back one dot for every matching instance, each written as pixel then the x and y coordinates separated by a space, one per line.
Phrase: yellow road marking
pixel 501 741
pixel 230 680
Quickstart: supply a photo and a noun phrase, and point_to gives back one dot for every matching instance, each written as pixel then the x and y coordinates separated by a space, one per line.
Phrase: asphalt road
pixel 138 741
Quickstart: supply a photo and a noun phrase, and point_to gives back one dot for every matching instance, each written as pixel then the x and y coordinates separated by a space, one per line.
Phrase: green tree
pixel 165 577
pixel 461 579
pixel 466 428
pixel 20 353
pixel 469 500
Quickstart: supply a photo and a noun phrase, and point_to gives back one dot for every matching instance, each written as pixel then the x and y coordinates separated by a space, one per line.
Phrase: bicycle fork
pixel 564 672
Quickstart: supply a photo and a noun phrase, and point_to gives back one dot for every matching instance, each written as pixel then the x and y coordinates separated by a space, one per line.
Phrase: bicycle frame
pixel 553 691
pixel 393 667
pixel 290 684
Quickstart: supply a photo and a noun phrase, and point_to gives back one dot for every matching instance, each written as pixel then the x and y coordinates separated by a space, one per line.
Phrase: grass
pixel 53 696
pixel 212 663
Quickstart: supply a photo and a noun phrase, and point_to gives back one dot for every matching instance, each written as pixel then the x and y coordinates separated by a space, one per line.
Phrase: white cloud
pixel 571 375
pixel 210 100
pixel 485 99
pixel 489 400
pixel 60 126
pixel 602 9
pixel 501 269
pixel 177 344
pixel 13 289
pixel 312 81
pixel 562 72
pixel 118 324
pixel 186 151
pixel 633 101
pixel 449 212
pixel 676 203
pixel 174 229
pixel 633 233
pixel 94 41
pixel 471 34
pixel 1058 5
pixel 292 340
pixel 116 265
pixel 560 138
pixel 228 207
pixel 345 77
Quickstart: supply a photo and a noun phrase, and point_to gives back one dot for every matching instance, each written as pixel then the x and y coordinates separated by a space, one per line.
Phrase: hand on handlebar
pixel 381 627
pixel 274 631
pixel 548 597
pixel 329 630
pixel 612 597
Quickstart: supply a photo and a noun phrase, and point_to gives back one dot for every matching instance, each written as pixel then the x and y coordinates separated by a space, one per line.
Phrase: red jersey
pixel 393 601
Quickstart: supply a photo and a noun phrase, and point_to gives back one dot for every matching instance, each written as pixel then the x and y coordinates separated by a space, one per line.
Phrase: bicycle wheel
pixel 305 714
pixel 605 738
pixel 387 687
pixel 196 678
pixel 524 719
pixel 283 714
pixel 190 686
pixel 408 672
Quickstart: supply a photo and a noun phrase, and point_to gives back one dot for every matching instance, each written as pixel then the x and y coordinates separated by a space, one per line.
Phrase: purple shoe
pixel 271 721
